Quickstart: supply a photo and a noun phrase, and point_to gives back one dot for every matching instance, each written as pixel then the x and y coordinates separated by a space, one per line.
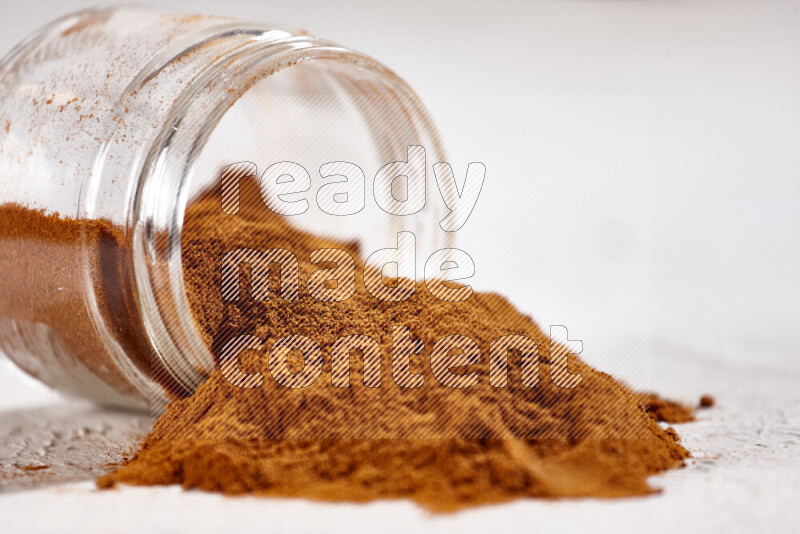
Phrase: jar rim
pixel 157 218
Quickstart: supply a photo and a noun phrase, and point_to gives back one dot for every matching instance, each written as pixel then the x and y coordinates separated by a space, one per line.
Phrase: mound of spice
pixel 442 447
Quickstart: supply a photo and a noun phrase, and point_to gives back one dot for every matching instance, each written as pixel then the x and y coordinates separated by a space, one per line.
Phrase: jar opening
pixel 310 106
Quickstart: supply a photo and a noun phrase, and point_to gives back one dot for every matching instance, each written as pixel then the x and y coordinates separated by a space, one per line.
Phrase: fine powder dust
pixel 440 447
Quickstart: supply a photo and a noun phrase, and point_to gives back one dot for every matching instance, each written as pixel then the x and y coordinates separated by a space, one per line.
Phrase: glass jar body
pixel 104 116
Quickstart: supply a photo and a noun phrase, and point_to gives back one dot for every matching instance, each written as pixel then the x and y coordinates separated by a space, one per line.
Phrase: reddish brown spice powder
pixel 707 401
pixel 666 410
pixel 471 446
pixel 33 467
pixel 47 262
pixel 324 443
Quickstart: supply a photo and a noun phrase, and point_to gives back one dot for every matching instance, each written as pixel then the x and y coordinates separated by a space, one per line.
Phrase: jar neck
pixel 200 77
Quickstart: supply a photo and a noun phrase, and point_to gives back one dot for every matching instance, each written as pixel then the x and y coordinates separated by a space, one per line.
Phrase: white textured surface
pixel 745 476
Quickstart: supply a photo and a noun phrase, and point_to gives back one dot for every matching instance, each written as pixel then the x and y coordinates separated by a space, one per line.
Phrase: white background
pixel 723 82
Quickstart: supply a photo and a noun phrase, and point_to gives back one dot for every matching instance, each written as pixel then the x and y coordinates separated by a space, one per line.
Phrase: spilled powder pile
pixel 444 448
pixel 666 410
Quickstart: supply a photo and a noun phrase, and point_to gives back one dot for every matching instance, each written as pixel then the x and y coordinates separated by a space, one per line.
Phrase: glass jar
pixel 111 121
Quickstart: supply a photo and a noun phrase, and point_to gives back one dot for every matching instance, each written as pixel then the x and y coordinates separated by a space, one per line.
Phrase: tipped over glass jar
pixel 111 121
